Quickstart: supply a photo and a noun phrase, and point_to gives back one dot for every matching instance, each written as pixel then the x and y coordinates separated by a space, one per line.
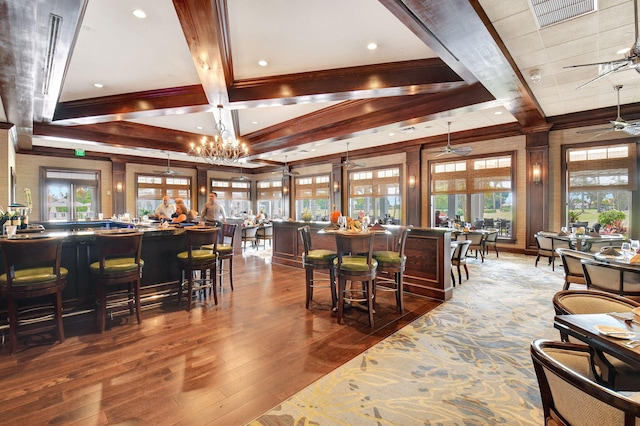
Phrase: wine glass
pixel 626 248
pixel 342 222
pixel 635 245
pixel 365 223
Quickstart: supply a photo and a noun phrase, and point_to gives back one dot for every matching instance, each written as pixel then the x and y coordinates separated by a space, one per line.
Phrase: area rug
pixel 466 362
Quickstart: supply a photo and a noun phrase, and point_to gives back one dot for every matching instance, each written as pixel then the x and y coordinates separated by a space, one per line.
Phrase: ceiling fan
pixel 631 61
pixel 461 150
pixel 286 171
pixel 351 164
pixel 168 171
pixel 619 124
pixel 241 177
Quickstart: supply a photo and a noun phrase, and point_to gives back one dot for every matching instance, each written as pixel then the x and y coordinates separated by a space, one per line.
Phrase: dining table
pixel 579 242
pixel 622 260
pixel 584 327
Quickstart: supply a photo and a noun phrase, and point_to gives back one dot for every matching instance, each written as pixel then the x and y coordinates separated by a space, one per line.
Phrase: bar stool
pixel 33 270
pixel 201 255
pixel 118 262
pixel 317 260
pixel 391 266
pixel 225 251
pixel 355 262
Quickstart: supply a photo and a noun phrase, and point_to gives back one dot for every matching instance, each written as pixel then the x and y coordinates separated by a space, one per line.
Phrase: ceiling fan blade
pixel 604 74
pixel 601 129
pixel 622 61
pixel 632 128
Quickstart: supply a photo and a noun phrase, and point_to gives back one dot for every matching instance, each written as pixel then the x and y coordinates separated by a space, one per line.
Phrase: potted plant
pixel 573 216
pixel 611 221
pixel 307 216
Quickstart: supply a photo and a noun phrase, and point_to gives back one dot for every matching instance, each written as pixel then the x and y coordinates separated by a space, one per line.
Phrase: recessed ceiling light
pixel 139 13
pixel 498 112
pixel 623 51
pixel 372 46
pixel 263 63
pixel 392 134
pixel 98 85
pixel 199 127
pixel 254 122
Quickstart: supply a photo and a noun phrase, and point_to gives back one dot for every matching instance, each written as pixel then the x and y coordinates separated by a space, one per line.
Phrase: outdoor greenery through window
pixel 376 193
pixel 600 183
pixel 70 194
pixel 477 191
pixel 235 196
pixel 151 188
pixel 312 197
pixel 270 198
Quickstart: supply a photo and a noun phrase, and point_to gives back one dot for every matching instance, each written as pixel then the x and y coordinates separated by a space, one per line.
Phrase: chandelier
pixel 222 149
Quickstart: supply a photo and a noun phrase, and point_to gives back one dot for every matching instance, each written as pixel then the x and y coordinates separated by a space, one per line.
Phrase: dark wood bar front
pixel 428 251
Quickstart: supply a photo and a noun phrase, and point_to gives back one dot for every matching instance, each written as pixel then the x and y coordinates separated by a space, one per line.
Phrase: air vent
pixel 408 130
pixel 550 12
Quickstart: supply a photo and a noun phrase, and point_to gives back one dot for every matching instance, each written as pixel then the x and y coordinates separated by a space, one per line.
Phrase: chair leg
pixel 231 272
pixel 496 249
pixel 136 292
pixel 400 292
pixel 453 278
pixel 57 306
pixel 370 301
pixel 213 272
pixel 102 308
pixel 342 284
pixel 566 285
pixel 308 285
pixel 189 289
pixel 537 259
pixel 332 284
pixel 466 271
pixel 13 325
pixel 459 275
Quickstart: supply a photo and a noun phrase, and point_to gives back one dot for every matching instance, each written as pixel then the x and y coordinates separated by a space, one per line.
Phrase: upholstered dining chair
pixel 572 263
pixel 477 243
pixel 490 240
pixel 264 234
pixel 612 371
pixel 458 259
pixel 569 391
pixel 391 264
pixel 32 270
pixel 547 248
pixel 249 235
pixel 355 263
pixel 317 260
pixel 200 255
pixel 119 262
pixel 611 278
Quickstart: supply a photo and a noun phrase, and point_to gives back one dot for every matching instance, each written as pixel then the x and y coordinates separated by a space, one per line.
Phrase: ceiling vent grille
pixel 550 12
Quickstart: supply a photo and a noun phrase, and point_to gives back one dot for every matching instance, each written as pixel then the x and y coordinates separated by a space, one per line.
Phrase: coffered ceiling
pixel 465 61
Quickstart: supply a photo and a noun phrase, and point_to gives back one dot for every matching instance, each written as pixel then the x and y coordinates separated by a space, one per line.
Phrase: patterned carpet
pixel 466 362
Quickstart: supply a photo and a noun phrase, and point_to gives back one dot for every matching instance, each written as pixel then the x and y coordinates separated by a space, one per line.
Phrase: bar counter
pixel 428 251
pixel 159 249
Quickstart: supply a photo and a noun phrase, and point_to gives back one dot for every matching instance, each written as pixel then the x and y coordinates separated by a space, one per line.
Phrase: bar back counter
pixel 428 251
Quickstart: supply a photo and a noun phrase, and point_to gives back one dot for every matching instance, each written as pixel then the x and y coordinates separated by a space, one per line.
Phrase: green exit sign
pixel 79 152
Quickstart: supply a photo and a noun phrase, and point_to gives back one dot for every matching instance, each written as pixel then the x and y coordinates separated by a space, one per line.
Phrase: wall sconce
pixel 203 190
pixel 336 186
pixel 285 190
pixel 412 181
pixel 119 187
pixel 536 174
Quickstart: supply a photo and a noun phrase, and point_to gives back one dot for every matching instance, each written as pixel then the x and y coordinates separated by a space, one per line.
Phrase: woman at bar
pixel 183 214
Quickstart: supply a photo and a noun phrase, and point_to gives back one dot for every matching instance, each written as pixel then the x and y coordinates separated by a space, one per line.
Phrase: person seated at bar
pixel 212 212
pixel 165 210
pixel 183 214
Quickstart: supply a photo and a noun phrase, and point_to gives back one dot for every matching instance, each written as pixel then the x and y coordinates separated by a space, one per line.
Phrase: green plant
pixel 573 216
pixel 610 217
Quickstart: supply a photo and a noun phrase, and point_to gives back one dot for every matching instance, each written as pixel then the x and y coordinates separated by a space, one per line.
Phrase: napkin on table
pixel 377 227
pixel 610 251
pixel 562 234
pixel 635 259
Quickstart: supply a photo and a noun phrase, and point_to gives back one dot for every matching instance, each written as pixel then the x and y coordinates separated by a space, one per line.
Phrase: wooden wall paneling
pixel 119 181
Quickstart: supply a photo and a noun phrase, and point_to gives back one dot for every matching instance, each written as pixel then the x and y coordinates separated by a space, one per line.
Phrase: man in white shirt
pixel 212 212
pixel 165 210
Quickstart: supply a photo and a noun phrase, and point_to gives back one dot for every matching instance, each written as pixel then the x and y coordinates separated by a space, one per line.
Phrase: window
pixel 70 194
pixel 600 178
pixel 234 196
pixel 270 198
pixel 151 188
pixel 475 190
pixel 376 193
pixel 312 196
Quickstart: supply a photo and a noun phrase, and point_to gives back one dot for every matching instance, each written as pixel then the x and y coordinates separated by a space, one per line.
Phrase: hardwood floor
pixel 217 365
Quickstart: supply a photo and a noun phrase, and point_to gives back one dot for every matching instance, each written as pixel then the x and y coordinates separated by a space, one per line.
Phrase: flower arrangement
pixel 307 216
pixel 611 220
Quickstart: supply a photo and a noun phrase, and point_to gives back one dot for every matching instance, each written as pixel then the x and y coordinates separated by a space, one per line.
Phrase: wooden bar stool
pixel 118 262
pixel 391 268
pixel 32 270
pixel 201 255
pixel 225 252
pixel 317 260
pixel 355 262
